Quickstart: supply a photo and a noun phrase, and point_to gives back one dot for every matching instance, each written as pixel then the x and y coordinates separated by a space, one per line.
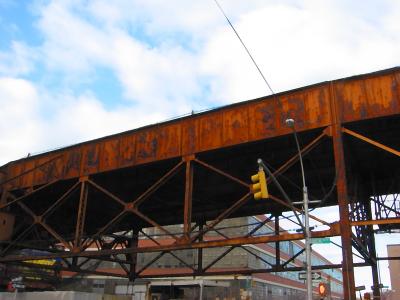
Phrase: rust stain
pixel 90 160
pixel 367 96
pixel 189 137
pixel 147 143
pixel 127 149
pixel 109 155
pixel 73 163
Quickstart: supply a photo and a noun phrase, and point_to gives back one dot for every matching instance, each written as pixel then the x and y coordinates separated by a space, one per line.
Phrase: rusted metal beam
pixel 247 271
pixel 343 199
pixel 389 258
pixel 102 230
pixel 130 272
pixel 304 151
pixel 152 261
pixel 16 239
pixel 187 209
pixel 333 231
pixel 370 141
pixel 222 255
pixel 284 203
pixel 81 214
pixel 4 205
pixel 372 252
pixel 86 260
pixel 156 185
pixel 32 169
pixel 225 214
pixel 381 205
pixel 216 170
pixel 39 220
pixel 105 191
pixel 133 242
pixel 293 258
pixel 200 251
pixel 218 258
pixel 375 222
pixel 59 200
pixel 365 97
pixel 169 252
pixel 55 235
pixel 152 222
pixel 130 207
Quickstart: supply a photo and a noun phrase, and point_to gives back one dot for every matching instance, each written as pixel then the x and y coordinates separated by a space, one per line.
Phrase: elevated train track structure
pixel 196 171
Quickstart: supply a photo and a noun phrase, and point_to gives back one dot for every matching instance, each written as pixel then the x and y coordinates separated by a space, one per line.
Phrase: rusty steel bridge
pixel 196 171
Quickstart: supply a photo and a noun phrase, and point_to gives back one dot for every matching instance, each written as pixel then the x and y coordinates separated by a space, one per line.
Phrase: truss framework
pixel 79 250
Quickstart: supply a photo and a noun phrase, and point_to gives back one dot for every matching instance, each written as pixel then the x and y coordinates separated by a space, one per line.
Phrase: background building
pixel 394 268
pixel 280 285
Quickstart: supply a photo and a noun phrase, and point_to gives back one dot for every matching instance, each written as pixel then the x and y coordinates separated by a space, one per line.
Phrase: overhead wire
pixel 244 46
pixel 272 92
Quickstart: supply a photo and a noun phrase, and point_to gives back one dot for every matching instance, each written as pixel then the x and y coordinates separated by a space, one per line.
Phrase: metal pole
pixel 308 244
pixel 290 123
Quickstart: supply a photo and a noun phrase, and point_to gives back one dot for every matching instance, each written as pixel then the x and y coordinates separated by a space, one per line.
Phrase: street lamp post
pixel 290 123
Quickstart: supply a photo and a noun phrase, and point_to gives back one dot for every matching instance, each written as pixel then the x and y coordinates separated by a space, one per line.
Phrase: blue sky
pixel 76 70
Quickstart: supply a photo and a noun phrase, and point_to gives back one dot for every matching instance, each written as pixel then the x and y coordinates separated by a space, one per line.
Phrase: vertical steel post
pixel 308 244
pixel 187 217
pixel 277 244
pixel 343 200
pixel 372 252
pixel 81 215
pixel 133 242
pixel 200 250
pixel 307 235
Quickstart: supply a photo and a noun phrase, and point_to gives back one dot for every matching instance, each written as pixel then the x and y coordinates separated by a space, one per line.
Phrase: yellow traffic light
pixel 259 187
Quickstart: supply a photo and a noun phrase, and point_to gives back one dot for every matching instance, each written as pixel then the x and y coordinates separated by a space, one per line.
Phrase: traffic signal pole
pixel 290 123
pixel 305 226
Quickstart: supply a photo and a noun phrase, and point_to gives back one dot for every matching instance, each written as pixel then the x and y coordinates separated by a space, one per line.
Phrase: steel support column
pixel 187 211
pixel 277 244
pixel 372 252
pixel 200 250
pixel 343 201
pixel 132 257
pixel 81 216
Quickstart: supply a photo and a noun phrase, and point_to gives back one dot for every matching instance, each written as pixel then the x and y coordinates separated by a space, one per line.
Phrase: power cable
pixel 244 46
pixel 265 80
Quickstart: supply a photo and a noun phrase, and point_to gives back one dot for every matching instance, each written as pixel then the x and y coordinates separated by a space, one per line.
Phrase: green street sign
pixel 324 240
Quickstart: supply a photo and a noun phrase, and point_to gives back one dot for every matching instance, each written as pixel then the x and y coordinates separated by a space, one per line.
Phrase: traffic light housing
pixel 322 289
pixel 259 187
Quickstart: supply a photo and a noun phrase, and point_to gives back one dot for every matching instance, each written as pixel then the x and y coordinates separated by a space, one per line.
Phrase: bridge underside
pixel 99 216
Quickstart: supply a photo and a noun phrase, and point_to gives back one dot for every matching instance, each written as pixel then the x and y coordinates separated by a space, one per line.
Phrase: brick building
pixel 280 285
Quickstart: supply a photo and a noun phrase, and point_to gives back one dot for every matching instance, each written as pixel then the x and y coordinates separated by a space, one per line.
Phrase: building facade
pixel 394 269
pixel 279 285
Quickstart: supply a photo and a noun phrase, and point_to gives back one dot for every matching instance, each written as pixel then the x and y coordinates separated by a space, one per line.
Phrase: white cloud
pixel 72 119
pixel 161 77
pixel 294 42
pixel 165 54
pixel 296 46
pixel 77 118
pixel 19 123
pixel 173 57
pixel 18 60
pixel 72 44
pixel 164 77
